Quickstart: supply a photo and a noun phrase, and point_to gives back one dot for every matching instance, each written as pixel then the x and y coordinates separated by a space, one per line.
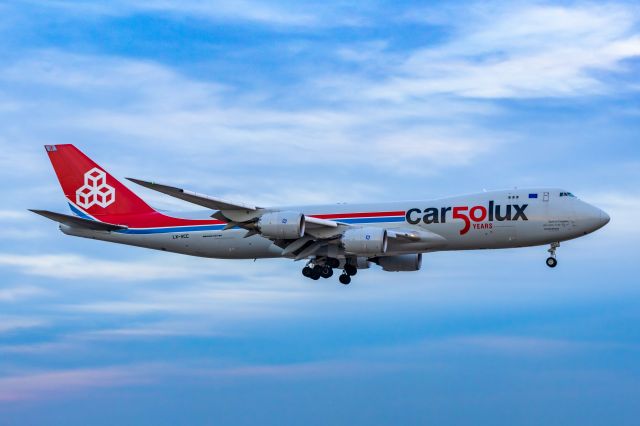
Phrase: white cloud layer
pixel 73 266
pixel 521 51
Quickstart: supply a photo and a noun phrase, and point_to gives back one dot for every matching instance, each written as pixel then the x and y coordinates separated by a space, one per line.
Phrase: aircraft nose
pixel 593 218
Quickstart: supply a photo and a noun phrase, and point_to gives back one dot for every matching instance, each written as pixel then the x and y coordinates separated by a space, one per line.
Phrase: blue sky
pixel 291 102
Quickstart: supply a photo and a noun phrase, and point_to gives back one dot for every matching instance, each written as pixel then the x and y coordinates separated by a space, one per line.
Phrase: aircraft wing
pixel 235 214
pixel 195 198
pixel 78 221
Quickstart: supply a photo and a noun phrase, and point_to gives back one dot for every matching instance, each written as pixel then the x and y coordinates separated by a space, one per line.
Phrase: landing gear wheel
pixel 552 262
pixel 307 272
pixel 350 270
pixel 345 279
pixel 327 272
pixel 316 272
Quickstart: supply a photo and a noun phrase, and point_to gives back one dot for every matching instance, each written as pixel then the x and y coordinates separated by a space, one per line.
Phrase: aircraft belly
pixel 222 245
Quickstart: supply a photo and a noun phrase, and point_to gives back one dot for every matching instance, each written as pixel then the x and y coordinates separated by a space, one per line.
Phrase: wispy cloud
pixel 521 51
pixel 286 14
pixel 13 294
pixel 10 324
pixel 622 208
pixel 50 384
pixel 13 215
pixel 73 266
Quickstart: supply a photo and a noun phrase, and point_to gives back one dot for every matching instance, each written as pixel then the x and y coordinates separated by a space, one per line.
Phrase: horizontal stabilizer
pixel 78 221
pixel 194 198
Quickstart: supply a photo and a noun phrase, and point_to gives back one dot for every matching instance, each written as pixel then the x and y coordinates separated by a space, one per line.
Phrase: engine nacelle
pixel 282 225
pixel 401 263
pixel 365 241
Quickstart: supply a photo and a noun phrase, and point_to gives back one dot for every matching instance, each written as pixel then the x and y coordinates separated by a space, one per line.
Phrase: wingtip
pixel 138 181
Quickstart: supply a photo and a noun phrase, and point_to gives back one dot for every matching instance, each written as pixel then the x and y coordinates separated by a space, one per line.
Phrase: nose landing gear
pixel 551 260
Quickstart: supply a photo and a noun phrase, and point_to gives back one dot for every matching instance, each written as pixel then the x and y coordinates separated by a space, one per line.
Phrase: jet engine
pixel 400 263
pixel 282 225
pixel 365 241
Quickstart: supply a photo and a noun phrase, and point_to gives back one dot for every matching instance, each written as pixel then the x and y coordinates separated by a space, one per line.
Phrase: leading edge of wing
pixel 194 198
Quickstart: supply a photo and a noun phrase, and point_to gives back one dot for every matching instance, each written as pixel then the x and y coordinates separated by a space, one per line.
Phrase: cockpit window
pixel 567 194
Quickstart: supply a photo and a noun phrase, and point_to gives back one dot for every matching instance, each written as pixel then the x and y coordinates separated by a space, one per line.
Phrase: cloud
pixel 10 324
pixel 622 208
pixel 515 345
pixel 318 369
pixel 13 215
pixel 272 14
pixel 203 301
pixel 243 10
pixel 128 98
pixel 520 51
pixel 71 266
pixel 51 384
pixel 13 294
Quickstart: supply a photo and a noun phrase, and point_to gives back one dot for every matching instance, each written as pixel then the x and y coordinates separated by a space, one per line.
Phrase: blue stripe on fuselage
pixel 373 220
pixel 170 230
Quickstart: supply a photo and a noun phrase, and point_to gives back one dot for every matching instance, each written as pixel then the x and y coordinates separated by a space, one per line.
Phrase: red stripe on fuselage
pixel 357 215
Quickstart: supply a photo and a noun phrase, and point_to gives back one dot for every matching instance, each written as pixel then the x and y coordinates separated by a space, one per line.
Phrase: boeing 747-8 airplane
pixel 393 235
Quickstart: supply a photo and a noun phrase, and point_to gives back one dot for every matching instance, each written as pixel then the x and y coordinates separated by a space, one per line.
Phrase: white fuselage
pixel 495 219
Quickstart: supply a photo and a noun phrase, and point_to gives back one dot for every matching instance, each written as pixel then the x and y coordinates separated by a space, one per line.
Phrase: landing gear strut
pixel 551 260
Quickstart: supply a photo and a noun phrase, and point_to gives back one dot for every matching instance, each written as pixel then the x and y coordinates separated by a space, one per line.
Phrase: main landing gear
pixel 349 271
pixel 315 271
pixel 318 271
pixel 551 260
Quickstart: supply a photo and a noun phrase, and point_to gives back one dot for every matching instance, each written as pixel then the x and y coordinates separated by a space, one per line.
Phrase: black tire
pixel 345 279
pixel 327 272
pixel 306 271
pixel 314 276
pixel 552 262
pixel 334 263
pixel 350 270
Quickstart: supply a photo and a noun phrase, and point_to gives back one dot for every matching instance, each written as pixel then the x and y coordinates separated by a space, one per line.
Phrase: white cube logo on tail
pixel 95 190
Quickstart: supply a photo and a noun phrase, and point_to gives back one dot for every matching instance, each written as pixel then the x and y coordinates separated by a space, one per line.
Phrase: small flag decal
pixel 50 148
pixel 533 195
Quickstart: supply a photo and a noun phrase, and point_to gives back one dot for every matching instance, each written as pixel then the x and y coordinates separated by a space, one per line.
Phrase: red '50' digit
pixel 457 214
